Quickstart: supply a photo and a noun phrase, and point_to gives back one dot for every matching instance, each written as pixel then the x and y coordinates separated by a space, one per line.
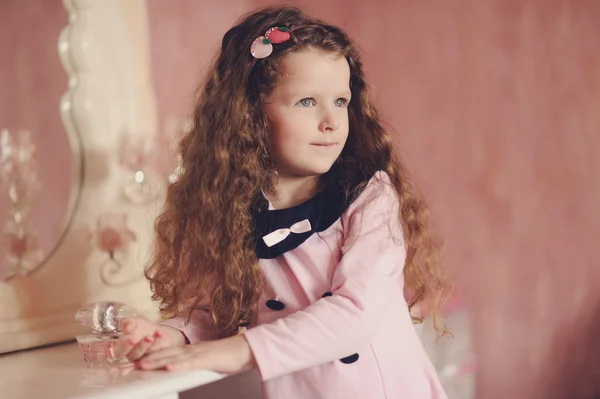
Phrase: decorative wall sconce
pixel 135 157
pixel 175 129
pixel 19 178
pixel 145 161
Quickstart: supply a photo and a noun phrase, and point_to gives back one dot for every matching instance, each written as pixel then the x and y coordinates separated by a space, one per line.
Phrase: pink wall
pixel 31 84
pixel 495 105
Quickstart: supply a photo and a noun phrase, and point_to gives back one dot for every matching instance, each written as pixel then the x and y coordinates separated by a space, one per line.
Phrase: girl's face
pixel 308 112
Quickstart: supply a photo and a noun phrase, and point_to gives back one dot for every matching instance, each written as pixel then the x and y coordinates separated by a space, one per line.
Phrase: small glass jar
pixel 104 320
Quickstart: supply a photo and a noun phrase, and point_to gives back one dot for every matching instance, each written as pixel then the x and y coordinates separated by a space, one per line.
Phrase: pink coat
pixel 333 321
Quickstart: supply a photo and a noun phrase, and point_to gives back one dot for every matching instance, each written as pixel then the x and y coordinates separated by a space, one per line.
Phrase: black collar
pixel 321 211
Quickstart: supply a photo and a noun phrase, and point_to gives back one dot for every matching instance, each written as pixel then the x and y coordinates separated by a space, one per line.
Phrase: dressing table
pixel 58 372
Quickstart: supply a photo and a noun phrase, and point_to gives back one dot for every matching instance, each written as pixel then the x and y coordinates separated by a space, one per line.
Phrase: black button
pixel 326 294
pixel 350 359
pixel 274 304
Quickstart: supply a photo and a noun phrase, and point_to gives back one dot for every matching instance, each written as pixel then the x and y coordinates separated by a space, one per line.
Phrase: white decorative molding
pixel 105 53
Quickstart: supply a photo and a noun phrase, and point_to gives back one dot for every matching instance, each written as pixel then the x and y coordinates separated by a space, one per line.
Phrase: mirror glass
pixel 40 169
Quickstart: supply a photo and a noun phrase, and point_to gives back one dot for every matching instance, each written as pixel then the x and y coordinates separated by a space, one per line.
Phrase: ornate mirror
pixel 77 200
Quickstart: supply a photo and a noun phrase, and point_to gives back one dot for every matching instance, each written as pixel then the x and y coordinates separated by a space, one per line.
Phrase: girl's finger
pixel 180 365
pixel 129 325
pixel 163 353
pixel 140 348
pixel 160 362
pixel 160 342
pixel 123 346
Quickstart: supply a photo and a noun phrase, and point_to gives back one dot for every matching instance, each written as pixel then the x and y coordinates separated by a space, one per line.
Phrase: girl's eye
pixel 341 102
pixel 306 102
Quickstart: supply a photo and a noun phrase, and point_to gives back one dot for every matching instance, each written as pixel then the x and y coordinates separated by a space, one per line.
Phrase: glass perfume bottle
pixel 104 320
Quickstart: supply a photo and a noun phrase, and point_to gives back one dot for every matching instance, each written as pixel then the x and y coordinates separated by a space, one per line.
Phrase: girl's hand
pixel 141 336
pixel 226 356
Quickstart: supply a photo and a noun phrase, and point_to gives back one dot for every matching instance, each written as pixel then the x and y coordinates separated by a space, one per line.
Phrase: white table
pixel 58 372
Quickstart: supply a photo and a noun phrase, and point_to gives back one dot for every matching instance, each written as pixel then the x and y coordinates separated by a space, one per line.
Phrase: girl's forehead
pixel 314 69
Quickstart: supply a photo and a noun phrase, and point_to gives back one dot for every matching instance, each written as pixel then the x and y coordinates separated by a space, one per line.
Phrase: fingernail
pixel 148 339
pixel 131 342
pixel 158 334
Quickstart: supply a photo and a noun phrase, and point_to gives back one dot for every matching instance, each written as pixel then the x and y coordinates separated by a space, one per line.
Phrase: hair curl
pixel 204 250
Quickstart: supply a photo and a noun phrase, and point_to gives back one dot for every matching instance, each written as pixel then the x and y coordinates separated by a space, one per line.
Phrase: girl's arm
pixel 367 277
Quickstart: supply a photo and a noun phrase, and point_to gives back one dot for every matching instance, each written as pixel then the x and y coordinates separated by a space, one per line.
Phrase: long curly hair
pixel 204 251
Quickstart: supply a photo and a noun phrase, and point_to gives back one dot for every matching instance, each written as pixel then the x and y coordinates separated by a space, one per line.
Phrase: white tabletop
pixel 59 372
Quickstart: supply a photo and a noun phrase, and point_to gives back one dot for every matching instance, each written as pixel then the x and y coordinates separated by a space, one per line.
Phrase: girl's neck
pixel 294 190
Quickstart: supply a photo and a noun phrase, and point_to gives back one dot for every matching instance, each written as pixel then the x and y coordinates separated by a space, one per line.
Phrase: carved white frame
pixel 105 52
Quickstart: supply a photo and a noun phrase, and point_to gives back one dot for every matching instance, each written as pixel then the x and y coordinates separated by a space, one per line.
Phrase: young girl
pixel 293 231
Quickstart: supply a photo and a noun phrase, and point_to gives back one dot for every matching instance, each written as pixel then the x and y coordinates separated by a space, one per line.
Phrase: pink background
pixel 496 106
pixel 32 82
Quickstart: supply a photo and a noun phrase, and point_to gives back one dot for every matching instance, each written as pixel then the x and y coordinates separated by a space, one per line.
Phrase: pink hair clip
pixel 262 46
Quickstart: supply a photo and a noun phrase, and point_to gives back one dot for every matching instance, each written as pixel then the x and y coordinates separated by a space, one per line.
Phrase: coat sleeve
pixel 195 330
pixel 364 281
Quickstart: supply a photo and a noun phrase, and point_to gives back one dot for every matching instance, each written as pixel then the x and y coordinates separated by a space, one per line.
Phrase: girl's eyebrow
pixel 309 93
